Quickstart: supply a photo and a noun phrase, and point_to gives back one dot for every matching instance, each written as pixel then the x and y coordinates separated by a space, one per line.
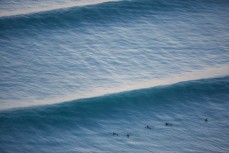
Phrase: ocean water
pixel 73 72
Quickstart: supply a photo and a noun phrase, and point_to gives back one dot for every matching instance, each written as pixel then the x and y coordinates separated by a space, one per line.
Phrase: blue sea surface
pixel 74 72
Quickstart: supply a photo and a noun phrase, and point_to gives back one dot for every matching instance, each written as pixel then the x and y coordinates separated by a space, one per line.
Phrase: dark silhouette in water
pixel 128 135
pixel 168 124
pixel 147 127
pixel 206 120
pixel 116 134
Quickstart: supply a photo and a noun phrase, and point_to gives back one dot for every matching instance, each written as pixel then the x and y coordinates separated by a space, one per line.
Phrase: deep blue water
pixel 73 72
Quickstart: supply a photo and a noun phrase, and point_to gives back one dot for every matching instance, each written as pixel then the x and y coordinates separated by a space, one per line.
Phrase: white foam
pixel 49 7
pixel 211 72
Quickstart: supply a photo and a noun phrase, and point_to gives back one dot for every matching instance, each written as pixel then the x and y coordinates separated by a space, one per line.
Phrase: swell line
pixel 52 8
pixel 208 73
pixel 99 11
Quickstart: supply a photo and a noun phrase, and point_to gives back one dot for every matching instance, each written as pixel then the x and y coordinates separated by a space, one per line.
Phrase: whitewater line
pixel 26 11
pixel 212 72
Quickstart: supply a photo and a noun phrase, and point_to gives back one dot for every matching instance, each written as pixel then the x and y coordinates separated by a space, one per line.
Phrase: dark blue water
pixel 74 72
pixel 87 125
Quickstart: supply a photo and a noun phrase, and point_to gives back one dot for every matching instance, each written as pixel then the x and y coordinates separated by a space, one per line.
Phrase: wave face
pixel 82 51
pixel 87 125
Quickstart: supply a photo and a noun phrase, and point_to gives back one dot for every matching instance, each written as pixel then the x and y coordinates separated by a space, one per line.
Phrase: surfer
pixel 147 127
pixel 206 120
pixel 128 135
pixel 168 124
pixel 116 134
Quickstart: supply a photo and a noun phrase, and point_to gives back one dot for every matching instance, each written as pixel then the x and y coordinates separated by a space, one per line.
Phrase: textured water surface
pixel 73 72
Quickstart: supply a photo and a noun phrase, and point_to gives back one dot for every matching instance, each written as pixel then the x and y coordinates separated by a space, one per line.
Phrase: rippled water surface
pixel 65 51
